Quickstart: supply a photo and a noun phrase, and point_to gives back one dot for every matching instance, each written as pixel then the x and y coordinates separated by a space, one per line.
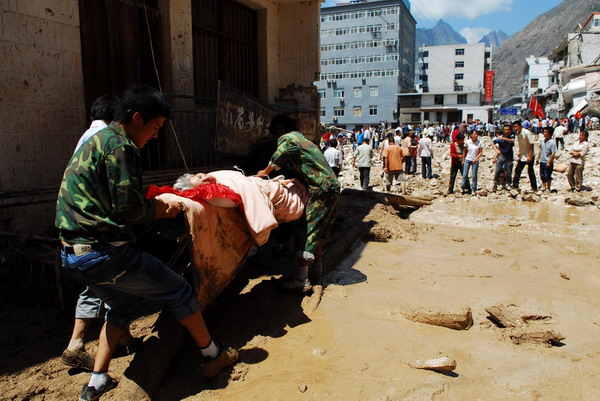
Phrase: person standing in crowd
pixel 559 135
pixel 547 153
pixel 426 152
pixel 392 165
pixel 407 150
pixel 526 155
pixel 334 157
pixel 577 162
pixel 362 159
pixel 100 207
pixel 456 157
pixel 471 154
pixel 503 159
pixel 306 160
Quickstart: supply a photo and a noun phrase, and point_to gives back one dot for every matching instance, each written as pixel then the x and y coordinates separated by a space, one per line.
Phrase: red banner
pixel 489 85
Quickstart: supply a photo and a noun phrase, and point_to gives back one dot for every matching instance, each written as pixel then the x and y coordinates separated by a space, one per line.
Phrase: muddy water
pixel 547 216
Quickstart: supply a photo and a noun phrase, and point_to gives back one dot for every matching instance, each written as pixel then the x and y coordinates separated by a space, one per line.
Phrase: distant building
pixel 367 57
pixel 452 87
pixel 577 65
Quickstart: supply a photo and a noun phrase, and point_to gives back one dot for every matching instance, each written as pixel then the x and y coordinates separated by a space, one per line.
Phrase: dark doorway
pixel 116 53
pixel 455 116
pixel 225 47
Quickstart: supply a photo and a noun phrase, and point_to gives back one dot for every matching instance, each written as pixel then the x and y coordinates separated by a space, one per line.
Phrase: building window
pixel 597 22
pixel 534 83
pixel 358 92
pixel 426 115
pixel 373 91
pixel 461 99
pixel 322 94
pixel 357 111
pixel 438 99
pixel 415 117
pixel 424 53
pixel 459 64
pixel 323 112
pixel 458 88
pixel 459 52
pixel 425 66
pixel 373 110
pixel 459 76
pixel 338 93
pixel 338 112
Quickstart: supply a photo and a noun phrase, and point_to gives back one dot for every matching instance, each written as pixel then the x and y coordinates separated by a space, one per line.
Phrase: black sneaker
pixel 89 393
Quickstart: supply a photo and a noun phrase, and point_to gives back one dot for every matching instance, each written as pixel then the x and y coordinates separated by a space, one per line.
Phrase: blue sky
pixel 475 18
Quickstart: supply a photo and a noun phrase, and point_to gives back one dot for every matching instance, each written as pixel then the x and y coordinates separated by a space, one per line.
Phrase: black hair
pixel 584 132
pixel 549 129
pixel 460 136
pixel 146 100
pixel 104 108
pixel 519 123
pixel 333 143
pixel 507 125
pixel 282 124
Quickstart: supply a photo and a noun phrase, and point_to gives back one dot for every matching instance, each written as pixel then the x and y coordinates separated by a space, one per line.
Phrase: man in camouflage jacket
pixel 306 160
pixel 100 204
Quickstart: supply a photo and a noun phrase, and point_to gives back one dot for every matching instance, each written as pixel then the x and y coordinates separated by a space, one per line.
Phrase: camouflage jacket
pixel 302 156
pixel 100 198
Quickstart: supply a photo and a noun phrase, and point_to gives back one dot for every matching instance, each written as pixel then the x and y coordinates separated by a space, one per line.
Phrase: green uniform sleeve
pixel 285 147
pixel 127 200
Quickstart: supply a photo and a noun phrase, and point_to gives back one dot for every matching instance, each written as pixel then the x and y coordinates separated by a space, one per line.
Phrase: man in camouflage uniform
pixel 100 205
pixel 305 159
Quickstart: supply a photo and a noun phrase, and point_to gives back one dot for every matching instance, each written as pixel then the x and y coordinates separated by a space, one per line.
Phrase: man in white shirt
pixel 425 150
pixel 362 159
pixel 526 155
pixel 559 136
pixel 103 111
pixel 334 157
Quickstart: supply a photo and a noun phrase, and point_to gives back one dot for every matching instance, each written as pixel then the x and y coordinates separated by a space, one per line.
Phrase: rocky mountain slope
pixel 538 38
pixel 441 34
pixel 494 39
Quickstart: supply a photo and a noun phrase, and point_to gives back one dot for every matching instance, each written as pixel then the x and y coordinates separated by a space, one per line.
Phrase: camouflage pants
pixel 315 224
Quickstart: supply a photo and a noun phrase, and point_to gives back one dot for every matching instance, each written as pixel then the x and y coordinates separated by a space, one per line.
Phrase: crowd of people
pixel 527 144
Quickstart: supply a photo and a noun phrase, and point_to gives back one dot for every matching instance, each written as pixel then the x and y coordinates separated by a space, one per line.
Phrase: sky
pixel 476 18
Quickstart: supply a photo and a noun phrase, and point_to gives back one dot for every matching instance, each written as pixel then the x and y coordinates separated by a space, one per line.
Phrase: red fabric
pixel 536 108
pixel 455 156
pixel 200 193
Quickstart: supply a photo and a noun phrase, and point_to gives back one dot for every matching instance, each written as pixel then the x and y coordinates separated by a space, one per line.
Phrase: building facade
pixel 452 85
pixel 59 55
pixel 367 57
pixel 577 66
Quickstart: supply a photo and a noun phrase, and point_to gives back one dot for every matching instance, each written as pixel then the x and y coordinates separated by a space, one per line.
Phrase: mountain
pixel 538 38
pixel 495 38
pixel 441 34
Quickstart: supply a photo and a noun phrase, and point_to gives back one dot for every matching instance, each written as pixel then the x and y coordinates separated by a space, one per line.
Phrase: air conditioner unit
pixel 394 111
pixel 341 99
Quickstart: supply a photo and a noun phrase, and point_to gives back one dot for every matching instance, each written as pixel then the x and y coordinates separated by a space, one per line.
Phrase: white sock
pixel 98 379
pixel 211 350
pixel 76 344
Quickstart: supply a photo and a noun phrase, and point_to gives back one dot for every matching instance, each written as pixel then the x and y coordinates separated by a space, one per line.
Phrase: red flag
pixel 536 108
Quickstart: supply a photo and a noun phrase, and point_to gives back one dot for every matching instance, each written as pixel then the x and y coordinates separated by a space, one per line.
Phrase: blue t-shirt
pixel 506 147
pixel 548 148
pixel 359 138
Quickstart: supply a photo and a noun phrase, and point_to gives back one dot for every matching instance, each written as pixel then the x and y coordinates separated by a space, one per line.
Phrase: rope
pixel 160 86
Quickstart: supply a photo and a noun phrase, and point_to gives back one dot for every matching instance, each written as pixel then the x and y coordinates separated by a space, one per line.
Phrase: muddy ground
pixel 533 258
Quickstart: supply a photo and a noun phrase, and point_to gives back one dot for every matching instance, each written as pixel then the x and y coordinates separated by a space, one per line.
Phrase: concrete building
pixel 452 87
pixel 367 57
pixel 538 76
pixel 57 56
pixel 577 65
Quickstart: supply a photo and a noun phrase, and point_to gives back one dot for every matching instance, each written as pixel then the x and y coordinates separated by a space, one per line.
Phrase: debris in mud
pixel 443 364
pixel 461 320
pixel 458 239
pixel 503 316
pixel 311 304
pixel 564 276
pixel 579 201
pixel 549 338
pixel 302 387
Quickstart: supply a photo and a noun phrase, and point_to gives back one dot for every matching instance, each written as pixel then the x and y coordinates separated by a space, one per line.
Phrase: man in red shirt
pixel 456 156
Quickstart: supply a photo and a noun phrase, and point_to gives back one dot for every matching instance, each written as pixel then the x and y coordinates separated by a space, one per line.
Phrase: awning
pixel 578 107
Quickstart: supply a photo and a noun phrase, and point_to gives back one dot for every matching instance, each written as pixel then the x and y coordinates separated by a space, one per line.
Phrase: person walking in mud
pixel 526 155
pixel 456 159
pixel 503 146
pixel 304 158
